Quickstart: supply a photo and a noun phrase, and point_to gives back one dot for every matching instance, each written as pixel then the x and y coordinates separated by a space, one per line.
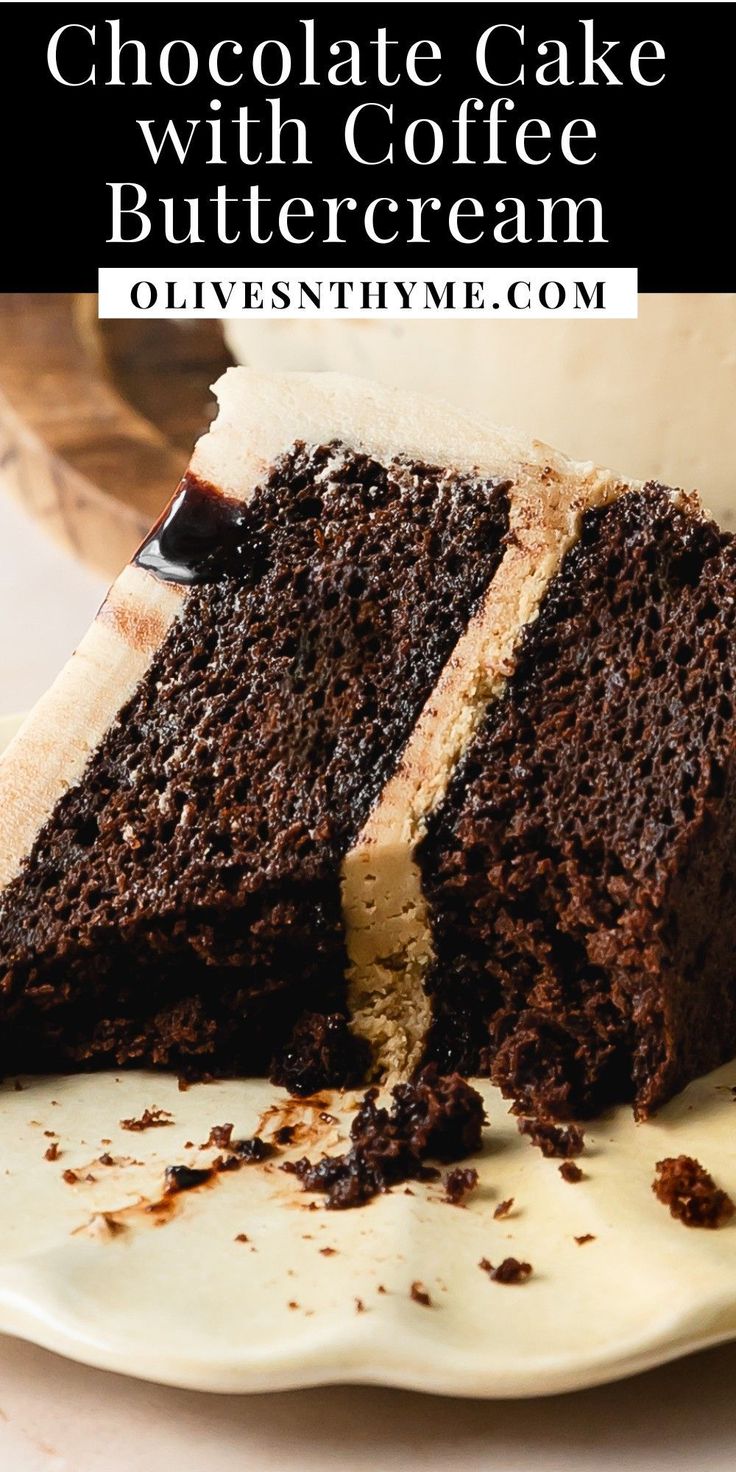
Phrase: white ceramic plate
pixel 172 1296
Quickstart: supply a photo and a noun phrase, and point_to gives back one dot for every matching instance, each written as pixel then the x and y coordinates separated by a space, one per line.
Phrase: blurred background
pixel 97 420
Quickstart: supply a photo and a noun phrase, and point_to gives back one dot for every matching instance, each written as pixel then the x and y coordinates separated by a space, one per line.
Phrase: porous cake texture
pixel 394 719
pixel 581 871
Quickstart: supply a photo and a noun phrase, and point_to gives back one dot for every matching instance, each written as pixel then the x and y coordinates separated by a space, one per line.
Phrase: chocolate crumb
pixel 508 1271
pixel 503 1208
pixel 692 1195
pixel 553 1139
pixel 431 1116
pixel 359 1306
pixel 570 1172
pixel 251 1150
pixel 459 1183
pixel 52 1153
pixel 586 1237
pixel 381 1289
pixel 241 1237
pixel 184 1178
pixel 70 1176
pixel 285 1134
pixel 151 1119
pixel 293 1303
pixel 106 1159
pixel 328 1251
pixel 220 1136
pixel 322 1053
pixel 419 1294
pixel 49 1134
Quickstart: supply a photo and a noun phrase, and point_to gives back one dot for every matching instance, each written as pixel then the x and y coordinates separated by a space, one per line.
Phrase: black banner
pixel 389 134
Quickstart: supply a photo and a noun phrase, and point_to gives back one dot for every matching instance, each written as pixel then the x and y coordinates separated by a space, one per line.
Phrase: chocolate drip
pixel 200 538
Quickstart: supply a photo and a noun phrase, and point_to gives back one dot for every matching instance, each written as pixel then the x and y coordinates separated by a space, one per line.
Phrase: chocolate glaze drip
pixel 200 538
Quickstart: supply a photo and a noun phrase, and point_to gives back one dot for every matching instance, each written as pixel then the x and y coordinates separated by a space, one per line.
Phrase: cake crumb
pixel 570 1172
pixel 70 1176
pixel 359 1306
pixel 553 1139
pixel 52 1152
pixel 219 1136
pixel 511 1270
pixel 292 1303
pixel 184 1178
pixel 419 1294
pixel 432 1116
pixel 322 1053
pixel 687 1188
pixel 241 1237
pixel 328 1251
pixel 586 1237
pixel 248 1152
pixel 459 1183
pixel 503 1208
pixel 150 1119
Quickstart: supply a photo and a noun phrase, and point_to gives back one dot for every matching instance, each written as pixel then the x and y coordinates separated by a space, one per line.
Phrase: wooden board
pixel 97 419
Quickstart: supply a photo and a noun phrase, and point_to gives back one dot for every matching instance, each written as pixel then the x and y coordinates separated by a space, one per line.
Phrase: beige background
pixel 652 398
pixel 59 1417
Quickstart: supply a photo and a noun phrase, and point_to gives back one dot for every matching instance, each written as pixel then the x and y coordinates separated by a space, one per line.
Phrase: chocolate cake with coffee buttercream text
pixel 402 740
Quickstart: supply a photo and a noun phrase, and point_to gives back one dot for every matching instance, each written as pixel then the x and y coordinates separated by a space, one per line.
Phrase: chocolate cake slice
pixel 175 814
pixel 581 871
pixel 401 740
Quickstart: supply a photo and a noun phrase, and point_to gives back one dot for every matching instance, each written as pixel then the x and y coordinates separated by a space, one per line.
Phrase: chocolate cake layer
pixel 580 874
pixel 182 899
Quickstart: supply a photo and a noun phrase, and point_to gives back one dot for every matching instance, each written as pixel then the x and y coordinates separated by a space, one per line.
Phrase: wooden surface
pixel 97 419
